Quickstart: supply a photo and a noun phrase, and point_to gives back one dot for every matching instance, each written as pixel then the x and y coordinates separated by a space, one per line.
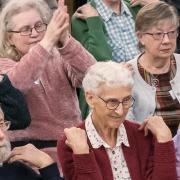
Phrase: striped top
pixel 167 105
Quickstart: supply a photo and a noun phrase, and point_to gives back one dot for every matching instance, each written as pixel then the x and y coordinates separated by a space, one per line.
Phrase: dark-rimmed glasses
pixel 160 35
pixel 113 103
pixel 27 30
pixel 5 125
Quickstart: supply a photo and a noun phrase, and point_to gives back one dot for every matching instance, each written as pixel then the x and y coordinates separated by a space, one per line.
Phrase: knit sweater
pixel 146 159
pixel 49 81
pixel 19 171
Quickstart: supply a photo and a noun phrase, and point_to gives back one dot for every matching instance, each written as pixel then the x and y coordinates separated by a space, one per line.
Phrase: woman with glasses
pixel 157 68
pixel 108 147
pixel 43 61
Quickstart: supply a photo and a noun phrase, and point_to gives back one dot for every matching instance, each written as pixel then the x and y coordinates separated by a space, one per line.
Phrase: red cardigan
pixel 146 159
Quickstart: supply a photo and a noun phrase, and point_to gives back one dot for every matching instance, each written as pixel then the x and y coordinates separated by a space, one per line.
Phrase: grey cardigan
pixel 144 94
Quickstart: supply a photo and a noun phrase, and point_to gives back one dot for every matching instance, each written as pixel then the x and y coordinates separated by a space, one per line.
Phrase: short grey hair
pixel 151 14
pixel 11 8
pixel 107 73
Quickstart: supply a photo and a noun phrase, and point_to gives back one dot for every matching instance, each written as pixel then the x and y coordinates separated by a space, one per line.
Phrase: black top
pixel 19 171
pixel 13 105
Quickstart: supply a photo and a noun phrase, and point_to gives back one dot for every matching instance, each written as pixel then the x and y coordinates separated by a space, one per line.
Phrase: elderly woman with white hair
pixel 108 147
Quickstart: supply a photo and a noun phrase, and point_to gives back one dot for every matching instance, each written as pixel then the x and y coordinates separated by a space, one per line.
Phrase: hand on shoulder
pixel 157 126
pixel 86 11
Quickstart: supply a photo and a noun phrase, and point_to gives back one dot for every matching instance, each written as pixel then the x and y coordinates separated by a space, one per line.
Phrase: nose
pixel 119 110
pixel 34 32
pixel 165 39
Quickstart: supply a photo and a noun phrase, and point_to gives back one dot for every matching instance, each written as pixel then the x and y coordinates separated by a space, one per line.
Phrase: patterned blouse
pixel 116 156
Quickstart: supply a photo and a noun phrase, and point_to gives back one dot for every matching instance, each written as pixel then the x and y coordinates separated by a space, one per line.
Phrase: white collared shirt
pixel 116 156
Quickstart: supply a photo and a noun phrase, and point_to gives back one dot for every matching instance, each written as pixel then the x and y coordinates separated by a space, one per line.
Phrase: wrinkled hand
pixel 58 28
pixel 141 2
pixel 157 126
pixel 76 140
pixel 86 11
pixel 30 155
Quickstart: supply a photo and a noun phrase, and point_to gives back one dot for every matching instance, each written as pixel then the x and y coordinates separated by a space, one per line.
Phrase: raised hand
pixel 76 140
pixel 157 126
pixel 62 6
pixel 58 29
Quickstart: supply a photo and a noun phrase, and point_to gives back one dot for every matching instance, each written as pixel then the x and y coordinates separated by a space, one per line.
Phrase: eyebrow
pixel 111 98
pixel 34 24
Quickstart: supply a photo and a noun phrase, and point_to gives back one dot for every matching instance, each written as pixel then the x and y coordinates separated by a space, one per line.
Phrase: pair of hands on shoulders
pixel 76 138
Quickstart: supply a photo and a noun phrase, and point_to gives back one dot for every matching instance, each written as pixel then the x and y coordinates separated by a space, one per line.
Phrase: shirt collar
pixel 106 12
pixel 97 141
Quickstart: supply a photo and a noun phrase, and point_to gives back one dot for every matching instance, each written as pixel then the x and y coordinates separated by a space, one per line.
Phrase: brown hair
pixel 151 14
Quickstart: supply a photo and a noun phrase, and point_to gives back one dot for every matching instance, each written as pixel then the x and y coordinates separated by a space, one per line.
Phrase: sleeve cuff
pixel 85 163
pixel 164 152
pixel 70 45
pixel 38 49
pixel 50 171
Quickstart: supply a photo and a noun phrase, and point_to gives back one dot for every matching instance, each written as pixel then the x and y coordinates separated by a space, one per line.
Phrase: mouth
pixel 34 42
pixel 116 118
pixel 166 50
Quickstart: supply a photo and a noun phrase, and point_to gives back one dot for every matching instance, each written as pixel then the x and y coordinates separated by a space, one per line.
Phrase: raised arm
pixel 30 67
pixel 77 160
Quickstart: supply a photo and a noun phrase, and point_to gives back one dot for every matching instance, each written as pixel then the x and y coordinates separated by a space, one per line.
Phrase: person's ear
pixel 10 39
pixel 140 37
pixel 90 99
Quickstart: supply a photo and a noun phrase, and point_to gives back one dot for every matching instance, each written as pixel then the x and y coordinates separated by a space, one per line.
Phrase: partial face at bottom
pixel 5 146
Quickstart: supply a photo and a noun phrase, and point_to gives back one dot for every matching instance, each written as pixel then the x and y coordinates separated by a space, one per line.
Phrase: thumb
pixel 79 15
pixel 136 3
